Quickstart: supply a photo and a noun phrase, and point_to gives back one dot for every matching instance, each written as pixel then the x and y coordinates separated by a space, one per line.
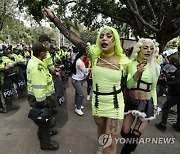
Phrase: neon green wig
pixel 94 51
pixel 117 50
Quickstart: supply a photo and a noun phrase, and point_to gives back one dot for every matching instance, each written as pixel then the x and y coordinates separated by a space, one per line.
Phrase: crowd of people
pixel 30 72
pixel 123 83
pixel 13 63
pixel 109 64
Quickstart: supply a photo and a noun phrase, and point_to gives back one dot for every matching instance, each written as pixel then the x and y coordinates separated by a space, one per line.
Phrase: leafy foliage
pixel 88 36
pixel 15 32
pixel 7 9
pixel 157 19
pixel 35 7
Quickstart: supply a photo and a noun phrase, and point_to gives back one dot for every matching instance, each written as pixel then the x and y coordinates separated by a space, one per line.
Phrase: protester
pixel 108 63
pixel 87 64
pixel 79 74
pixel 176 54
pixel 173 98
pixel 141 99
pixel 128 51
pixel 163 61
pixel 74 53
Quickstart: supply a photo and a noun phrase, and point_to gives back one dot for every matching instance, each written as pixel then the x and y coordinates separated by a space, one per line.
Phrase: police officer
pixel 5 88
pixel 6 85
pixel 45 40
pixel 16 74
pixel 40 95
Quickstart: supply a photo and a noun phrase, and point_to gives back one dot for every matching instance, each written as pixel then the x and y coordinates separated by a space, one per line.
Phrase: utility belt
pixel 40 115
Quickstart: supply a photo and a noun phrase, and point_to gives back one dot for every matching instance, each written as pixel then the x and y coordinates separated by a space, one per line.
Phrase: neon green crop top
pixel 146 78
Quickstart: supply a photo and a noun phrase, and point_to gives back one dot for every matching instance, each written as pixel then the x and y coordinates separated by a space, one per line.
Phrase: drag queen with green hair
pixel 108 66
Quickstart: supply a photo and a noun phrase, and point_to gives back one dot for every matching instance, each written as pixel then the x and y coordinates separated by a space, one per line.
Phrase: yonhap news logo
pixel 146 140
pixel 105 140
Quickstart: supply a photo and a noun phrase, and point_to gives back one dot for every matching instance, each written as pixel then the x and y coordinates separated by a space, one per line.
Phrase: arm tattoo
pixel 65 31
pixel 71 36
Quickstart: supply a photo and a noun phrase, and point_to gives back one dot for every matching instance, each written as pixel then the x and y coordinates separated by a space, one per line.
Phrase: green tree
pixel 157 19
pixel 18 33
pixel 88 36
pixel 7 9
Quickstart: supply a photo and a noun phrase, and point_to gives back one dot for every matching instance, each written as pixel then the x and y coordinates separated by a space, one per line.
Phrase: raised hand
pixel 48 13
pixel 71 36
pixel 140 69
pixel 141 66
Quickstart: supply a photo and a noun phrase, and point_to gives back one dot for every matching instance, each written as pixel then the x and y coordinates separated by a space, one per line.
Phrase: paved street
pixel 78 136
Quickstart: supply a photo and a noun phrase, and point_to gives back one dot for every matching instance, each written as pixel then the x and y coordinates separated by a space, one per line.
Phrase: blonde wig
pixel 153 60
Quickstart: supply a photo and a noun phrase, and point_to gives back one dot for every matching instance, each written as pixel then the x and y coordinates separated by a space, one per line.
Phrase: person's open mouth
pixel 104 44
pixel 147 55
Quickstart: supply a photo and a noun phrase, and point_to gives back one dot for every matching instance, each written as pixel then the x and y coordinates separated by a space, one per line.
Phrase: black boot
pixel 53 132
pixel 125 149
pixel 176 127
pixel 161 126
pixel 128 148
pixel 44 136
pixel 52 145
pixel 38 135
pixel 3 110
pixel 52 122
pixel 127 136
pixel 131 145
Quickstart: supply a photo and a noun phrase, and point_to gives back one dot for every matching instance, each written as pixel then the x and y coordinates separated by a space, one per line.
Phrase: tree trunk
pixel 3 13
pixel 162 43
pixel 1 23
